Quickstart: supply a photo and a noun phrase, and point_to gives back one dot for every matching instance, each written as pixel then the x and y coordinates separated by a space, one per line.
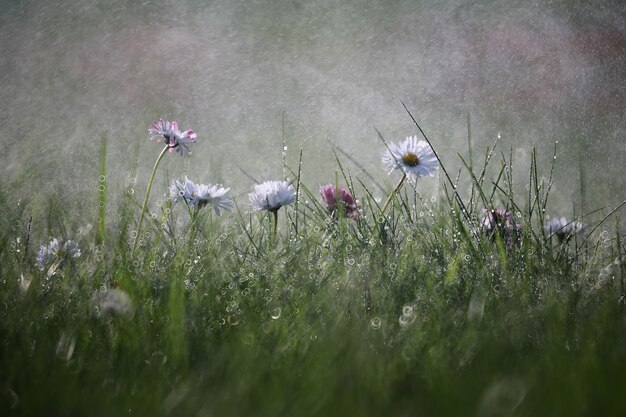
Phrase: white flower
pixel 199 195
pixel 57 250
pixel 271 195
pixel 415 158
pixel 172 136
pixel 562 228
pixel 214 195
pixel 184 191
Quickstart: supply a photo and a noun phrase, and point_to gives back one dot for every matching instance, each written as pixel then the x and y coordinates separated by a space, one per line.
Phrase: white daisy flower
pixel 562 228
pixel 185 191
pixel 172 136
pixel 413 157
pixel 56 250
pixel 215 196
pixel 271 195
pixel 199 195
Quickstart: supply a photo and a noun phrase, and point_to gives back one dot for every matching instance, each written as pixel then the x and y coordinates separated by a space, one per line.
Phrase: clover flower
pixel 271 195
pixel 172 136
pixel 339 197
pixel 56 251
pixel 200 195
pixel 500 222
pixel 415 158
pixel 562 228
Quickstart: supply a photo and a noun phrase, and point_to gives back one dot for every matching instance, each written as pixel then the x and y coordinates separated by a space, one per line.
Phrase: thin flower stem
pixel 393 193
pixel 53 268
pixel 443 168
pixel 273 239
pixel 145 201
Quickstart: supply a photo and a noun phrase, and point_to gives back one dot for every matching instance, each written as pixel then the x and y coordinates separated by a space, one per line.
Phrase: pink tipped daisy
pixel 164 130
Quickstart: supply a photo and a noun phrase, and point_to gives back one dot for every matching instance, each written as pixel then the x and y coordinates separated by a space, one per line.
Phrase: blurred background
pixel 248 75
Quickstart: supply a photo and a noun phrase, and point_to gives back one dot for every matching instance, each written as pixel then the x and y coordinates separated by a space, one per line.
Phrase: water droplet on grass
pixel 376 323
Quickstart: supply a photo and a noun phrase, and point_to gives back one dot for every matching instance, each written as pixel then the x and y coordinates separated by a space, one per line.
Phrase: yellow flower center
pixel 410 159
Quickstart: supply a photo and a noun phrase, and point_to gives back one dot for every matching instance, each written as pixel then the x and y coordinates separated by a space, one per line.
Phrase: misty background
pixel 246 74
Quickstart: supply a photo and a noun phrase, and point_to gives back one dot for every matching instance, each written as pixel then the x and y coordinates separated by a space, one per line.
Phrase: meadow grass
pixel 411 311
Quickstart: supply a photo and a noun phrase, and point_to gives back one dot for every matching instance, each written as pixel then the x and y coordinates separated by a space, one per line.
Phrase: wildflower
pixel 199 195
pixel 562 228
pixel 115 302
pixel 174 139
pixel 415 158
pixel 347 204
pixel 500 222
pixel 168 132
pixel 271 195
pixel 184 190
pixel 57 252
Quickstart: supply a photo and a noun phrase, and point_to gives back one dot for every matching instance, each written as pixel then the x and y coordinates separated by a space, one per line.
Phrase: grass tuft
pixel 411 309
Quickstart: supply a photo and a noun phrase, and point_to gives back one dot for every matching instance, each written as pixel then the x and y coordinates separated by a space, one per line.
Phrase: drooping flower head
pixel 501 222
pixel 56 251
pixel 271 195
pixel 164 130
pixel 415 158
pixel 200 195
pixel 496 218
pixel 562 228
pixel 341 198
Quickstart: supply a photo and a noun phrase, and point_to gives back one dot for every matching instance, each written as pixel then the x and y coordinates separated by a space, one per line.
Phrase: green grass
pixel 407 313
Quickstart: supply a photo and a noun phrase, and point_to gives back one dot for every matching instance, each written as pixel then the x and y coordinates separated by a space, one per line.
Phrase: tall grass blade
pixel 102 192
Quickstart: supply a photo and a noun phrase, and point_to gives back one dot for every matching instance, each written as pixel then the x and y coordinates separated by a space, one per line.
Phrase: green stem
pixel 145 201
pixel 274 230
pixel 393 193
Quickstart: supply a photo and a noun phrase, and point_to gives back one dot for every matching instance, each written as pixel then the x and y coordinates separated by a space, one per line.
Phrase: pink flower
pixel 168 132
pixel 501 222
pixel 346 203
